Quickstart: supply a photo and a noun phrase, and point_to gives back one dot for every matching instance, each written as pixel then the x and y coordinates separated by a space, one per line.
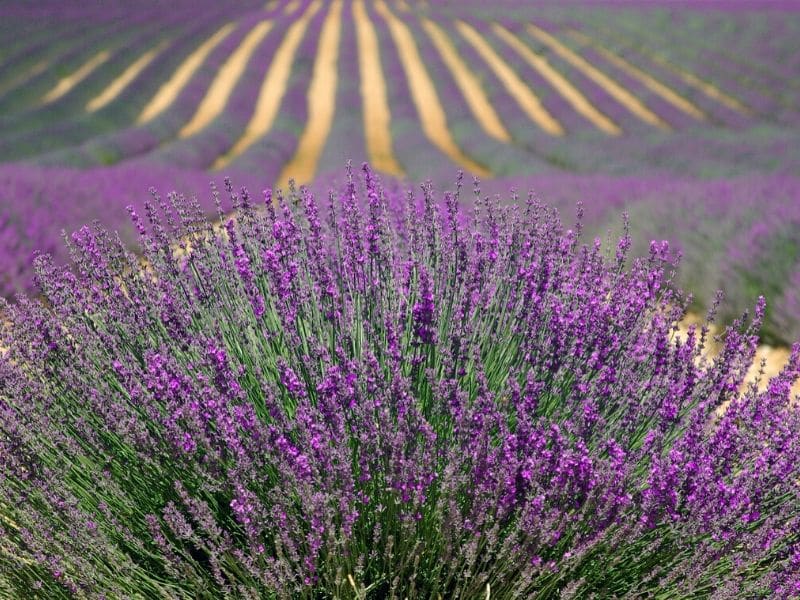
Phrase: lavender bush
pixel 397 399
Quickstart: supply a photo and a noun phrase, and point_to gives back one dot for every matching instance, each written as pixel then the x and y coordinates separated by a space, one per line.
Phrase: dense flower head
pixel 384 396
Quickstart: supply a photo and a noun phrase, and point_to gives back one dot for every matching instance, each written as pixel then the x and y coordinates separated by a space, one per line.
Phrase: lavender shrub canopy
pixel 396 399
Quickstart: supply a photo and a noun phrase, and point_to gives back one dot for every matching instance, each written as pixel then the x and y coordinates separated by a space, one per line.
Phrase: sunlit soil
pixel 560 83
pixel 423 92
pixel 66 84
pixel 522 93
pixel 116 87
pixel 470 86
pixel 24 76
pixel 614 89
pixel 168 92
pixel 321 102
pixel 774 358
pixel 709 89
pixel 377 115
pixel 647 80
pixel 216 98
pixel 273 88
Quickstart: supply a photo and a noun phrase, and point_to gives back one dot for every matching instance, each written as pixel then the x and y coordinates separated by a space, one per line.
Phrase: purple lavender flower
pixel 389 396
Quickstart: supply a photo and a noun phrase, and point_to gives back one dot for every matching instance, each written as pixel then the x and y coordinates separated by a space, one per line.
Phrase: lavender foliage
pixel 386 396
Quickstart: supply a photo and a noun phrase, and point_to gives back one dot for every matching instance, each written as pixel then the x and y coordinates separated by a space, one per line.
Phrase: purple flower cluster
pixel 384 396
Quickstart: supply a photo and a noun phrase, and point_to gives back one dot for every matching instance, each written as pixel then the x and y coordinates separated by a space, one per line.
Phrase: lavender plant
pixel 384 397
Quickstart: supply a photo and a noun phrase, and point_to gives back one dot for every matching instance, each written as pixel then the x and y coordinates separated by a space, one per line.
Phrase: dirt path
pixel 525 97
pixel 66 84
pixel 775 358
pixel 651 83
pixel 560 83
pixel 432 115
pixel 471 88
pixel 25 75
pixel 710 90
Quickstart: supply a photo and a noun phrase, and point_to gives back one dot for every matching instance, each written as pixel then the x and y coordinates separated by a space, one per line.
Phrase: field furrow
pixel 125 79
pixel 707 88
pixel 377 115
pixel 23 75
pixel 171 89
pixel 735 60
pixel 321 102
pixel 614 89
pixel 23 60
pixel 715 104
pixel 528 101
pixel 558 81
pixel 66 84
pixel 347 137
pixel 108 135
pixel 216 97
pixel 723 70
pixel 432 116
pixel 470 86
pixel 91 60
pixel 648 80
pixel 60 129
pixel 291 7
pixel 500 157
pixel 273 88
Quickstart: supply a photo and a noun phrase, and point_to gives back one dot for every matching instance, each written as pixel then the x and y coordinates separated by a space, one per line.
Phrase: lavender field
pixel 263 93
pixel 395 380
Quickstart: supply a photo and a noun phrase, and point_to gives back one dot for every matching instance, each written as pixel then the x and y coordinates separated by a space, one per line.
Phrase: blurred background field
pixel 685 114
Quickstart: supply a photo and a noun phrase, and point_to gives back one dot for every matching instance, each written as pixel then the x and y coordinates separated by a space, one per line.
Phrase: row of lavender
pixel 153 154
pixel 750 123
pixel 710 147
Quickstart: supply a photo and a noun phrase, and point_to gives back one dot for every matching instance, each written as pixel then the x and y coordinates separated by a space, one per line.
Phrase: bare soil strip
pixel 24 76
pixel 168 92
pixel 321 101
pixel 292 6
pixel 377 115
pixel 270 5
pixel 66 84
pixel 560 83
pixel 470 86
pixel 519 90
pixel 228 76
pixel 116 87
pixel 272 89
pixel 429 108
pixel 775 358
pixel 614 89
pixel 710 90
pixel 647 80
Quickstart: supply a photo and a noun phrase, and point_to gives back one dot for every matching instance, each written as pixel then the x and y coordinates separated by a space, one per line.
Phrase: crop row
pixel 269 89
pixel 282 89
